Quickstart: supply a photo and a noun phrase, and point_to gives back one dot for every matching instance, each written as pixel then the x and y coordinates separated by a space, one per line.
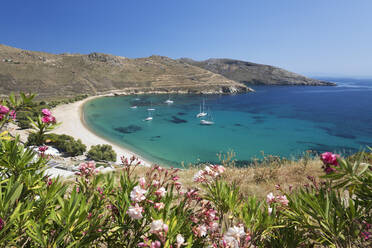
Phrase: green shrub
pixel 64 143
pixel 366 157
pixel 102 152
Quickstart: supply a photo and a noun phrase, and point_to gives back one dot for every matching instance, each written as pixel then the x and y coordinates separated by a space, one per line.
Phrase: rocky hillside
pixel 62 75
pixel 251 73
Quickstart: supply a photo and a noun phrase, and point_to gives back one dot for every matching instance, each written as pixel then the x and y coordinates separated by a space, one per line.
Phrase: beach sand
pixel 71 116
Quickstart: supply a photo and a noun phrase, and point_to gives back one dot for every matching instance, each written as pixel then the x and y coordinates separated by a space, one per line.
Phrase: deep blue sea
pixel 278 120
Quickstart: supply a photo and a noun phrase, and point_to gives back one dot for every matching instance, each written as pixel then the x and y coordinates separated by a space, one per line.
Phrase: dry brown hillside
pixel 62 75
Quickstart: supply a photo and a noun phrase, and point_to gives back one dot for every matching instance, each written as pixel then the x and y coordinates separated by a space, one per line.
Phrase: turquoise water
pixel 283 121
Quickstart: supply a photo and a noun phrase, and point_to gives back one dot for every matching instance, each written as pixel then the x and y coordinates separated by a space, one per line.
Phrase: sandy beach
pixel 71 116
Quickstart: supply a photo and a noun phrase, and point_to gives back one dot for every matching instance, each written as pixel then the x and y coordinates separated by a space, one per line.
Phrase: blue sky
pixel 314 37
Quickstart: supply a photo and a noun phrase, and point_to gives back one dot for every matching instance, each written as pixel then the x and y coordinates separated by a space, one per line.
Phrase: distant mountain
pixel 252 73
pixel 62 75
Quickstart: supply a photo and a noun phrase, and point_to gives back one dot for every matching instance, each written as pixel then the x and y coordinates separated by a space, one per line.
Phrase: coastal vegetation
pixel 63 143
pixel 102 153
pixel 154 207
pixel 32 109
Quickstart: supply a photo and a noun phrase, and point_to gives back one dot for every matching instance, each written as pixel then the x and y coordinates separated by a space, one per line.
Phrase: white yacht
pixel 151 108
pixel 169 101
pixel 133 107
pixel 202 112
pixel 149 117
pixel 206 122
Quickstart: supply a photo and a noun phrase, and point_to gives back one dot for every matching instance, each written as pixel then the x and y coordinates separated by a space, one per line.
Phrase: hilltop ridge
pixel 52 75
pixel 253 73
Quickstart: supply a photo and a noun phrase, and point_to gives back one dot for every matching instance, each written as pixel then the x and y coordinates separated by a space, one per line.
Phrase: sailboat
pixel 207 122
pixel 149 118
pixel 202 113
pixel 137 98
pixel 169 101
pixel 151 109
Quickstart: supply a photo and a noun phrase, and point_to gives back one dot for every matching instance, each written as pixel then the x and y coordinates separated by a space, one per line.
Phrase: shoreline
pixel 72 117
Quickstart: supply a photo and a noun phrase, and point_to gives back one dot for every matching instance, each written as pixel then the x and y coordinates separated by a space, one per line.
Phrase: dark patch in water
pixel 155 137
pixel 177 120
pixel 238 125
pixel 334 132
pixel 181 113
pixel 96 116
pixel 320 148
pixel 258 121
pixel 128 129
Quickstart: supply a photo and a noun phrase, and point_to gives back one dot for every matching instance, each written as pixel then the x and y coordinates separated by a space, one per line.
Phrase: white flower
pixel 135 212
pixel 230 242
pixel 156 226
pixel 213 226
pixel 202 230
pixel 180 240
pixel 235 232
pixel 219 168
pixel 159 205
pixel 161 192
pixel 270 198
pixel 137 194
pixel 270 210
pixel 155 183
pixel 142 182
pixel 199 176
pixel 208 169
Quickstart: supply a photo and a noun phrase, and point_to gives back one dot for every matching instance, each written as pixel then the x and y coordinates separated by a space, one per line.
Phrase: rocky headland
pixel 254 74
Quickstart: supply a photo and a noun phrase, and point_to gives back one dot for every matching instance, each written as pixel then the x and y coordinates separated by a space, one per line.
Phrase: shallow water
pixel 281 120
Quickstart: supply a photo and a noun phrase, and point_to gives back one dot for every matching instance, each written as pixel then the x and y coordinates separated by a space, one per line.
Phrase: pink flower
pixel 48 119
pixel 43 148
pixel 2 224
pixel 13 114
pixel 270 198
pixel 135 212
pixel 329 158
pixel 138 194
pixel 142 182
pixel 365 235
pixel 46 112
pixel 155 244
pixel 161 192
pixel 87 169
pixel 159 205
pixel 156 183
pixel 4 110
pixel 283 200
pixel 328 169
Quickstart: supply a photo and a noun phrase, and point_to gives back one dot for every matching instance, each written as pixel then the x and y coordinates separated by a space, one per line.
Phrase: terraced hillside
pixel 62 75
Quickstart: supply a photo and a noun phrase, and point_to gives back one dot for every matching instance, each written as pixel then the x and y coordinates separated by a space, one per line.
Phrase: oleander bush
pixel 62 142
pixel 102 153
pixel 155 210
